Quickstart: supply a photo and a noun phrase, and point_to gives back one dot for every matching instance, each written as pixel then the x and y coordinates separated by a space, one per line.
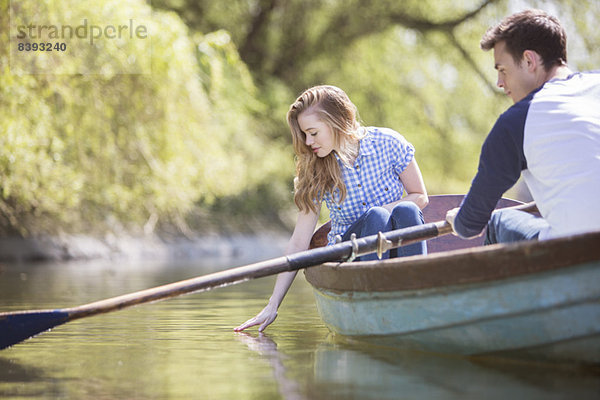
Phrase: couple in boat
pixel 370 181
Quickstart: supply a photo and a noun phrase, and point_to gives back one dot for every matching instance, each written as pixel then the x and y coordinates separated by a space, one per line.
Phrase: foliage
pixel 195 125
pixel 81 150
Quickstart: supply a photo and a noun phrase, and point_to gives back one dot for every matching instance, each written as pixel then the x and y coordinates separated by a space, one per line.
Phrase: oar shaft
pixel 418 233
pixel 339 252
pixel 205 282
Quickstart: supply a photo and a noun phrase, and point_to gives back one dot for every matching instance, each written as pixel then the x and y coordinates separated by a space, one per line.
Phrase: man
pixel 551 135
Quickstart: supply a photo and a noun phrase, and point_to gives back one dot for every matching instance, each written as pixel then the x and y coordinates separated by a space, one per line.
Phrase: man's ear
pixel 532 60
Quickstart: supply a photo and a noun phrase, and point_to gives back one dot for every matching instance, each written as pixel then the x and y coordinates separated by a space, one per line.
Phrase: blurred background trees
pixel 201 141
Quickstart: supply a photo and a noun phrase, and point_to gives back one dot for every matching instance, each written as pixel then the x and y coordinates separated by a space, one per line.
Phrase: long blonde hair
pixel 314 175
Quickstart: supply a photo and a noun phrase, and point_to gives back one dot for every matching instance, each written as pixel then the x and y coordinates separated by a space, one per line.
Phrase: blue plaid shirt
pixel 372 181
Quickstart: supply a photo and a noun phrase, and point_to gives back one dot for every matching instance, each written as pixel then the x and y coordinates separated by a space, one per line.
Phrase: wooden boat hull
pixel 538 299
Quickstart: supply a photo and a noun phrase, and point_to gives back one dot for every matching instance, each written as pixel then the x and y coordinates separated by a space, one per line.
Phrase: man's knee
pixel 495 220
pixel 512 226
pixel 491 232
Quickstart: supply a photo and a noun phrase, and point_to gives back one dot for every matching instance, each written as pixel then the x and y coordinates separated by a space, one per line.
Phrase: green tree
pixel 80 150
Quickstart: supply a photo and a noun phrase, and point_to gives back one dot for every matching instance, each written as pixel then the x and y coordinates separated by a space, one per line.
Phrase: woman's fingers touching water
pixel 263 318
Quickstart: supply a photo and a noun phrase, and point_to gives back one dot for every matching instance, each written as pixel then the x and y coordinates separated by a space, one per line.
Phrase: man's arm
pixel 500 165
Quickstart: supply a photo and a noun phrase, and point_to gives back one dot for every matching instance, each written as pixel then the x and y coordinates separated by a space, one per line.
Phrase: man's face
pixel 517 79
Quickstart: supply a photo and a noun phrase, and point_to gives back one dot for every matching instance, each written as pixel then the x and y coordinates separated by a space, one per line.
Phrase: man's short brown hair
pixel 530 30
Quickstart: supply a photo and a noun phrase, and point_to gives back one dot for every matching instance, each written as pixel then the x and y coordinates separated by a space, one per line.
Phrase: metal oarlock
pixel 354 248
pixel 383 245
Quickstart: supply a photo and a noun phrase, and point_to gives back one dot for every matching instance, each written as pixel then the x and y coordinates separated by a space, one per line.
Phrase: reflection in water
pixel 267 348
pixel 363 371
pixel 17 379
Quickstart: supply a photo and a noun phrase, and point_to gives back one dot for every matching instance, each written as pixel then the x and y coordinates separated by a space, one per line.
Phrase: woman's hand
pixel 300 240
pixel 263 318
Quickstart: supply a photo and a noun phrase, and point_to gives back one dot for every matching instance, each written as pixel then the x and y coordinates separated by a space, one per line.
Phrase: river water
pixel 185 348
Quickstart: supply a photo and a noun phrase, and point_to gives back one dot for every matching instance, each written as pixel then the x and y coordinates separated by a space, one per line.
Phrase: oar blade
pixel 15 328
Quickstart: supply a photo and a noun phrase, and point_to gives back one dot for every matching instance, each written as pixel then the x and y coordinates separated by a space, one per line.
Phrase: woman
pixel 361 174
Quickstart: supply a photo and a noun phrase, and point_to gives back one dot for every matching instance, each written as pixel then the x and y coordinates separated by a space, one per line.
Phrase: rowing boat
pixel 536 299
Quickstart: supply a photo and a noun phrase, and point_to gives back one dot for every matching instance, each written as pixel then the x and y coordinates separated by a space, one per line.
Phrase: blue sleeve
pixel 500 164
pixel 404 153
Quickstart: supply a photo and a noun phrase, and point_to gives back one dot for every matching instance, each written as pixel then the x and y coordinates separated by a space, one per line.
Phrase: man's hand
pixel 451 216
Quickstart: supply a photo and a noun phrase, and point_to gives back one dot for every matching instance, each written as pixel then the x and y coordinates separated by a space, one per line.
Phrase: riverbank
pixel 79 247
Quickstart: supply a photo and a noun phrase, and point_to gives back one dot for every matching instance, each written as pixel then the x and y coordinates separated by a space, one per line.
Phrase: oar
pixel 18 326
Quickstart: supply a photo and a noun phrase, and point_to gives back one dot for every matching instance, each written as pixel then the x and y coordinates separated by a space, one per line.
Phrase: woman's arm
pixel 412 180
pixel 300 240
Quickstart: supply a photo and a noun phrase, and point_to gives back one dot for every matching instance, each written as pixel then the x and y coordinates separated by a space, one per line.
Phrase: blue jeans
pixel 513 226
pixel 378 219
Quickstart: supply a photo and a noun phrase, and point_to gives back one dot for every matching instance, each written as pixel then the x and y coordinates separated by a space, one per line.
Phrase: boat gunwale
pixel 457 267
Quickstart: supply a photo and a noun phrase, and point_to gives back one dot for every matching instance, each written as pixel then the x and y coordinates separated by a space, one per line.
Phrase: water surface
pixel 185 348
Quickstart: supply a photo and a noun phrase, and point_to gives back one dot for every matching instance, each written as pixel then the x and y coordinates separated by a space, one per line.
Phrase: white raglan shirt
pixel 552 138
pixel 561 144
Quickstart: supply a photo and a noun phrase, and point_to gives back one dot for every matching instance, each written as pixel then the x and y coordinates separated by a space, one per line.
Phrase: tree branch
pixel 424 25
pixel 353 23
pixel 253 50
pixel 469 60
